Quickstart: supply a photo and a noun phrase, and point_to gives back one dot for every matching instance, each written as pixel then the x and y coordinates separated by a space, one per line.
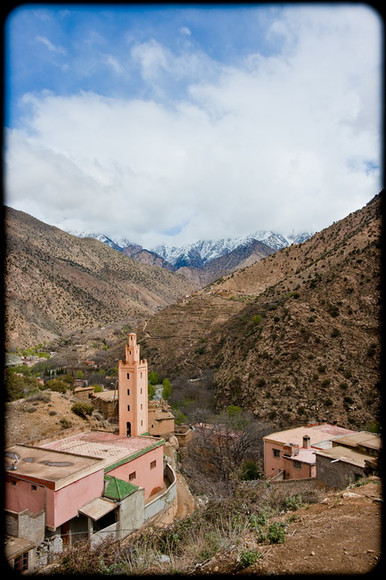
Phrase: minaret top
pixel 132 349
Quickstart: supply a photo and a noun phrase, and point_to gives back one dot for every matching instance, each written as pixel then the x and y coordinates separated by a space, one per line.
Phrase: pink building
pixel 132 391
pixel 90 484
pixel 290 454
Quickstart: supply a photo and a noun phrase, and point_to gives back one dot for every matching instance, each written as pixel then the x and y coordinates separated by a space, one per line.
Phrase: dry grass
pixel 234 526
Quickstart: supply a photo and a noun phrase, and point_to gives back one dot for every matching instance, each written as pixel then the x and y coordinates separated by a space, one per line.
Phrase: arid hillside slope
pixel 56 282
pixel 294 336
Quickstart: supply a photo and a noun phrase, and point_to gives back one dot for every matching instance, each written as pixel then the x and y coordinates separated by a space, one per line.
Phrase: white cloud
pixel 280 142
pixel 51 47
pixel 185 31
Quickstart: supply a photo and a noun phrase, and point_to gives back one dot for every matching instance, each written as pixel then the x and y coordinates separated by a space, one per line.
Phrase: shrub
pixel 39 396
pixel 98 388
pixel 256 319
pixel 249 470
pixel 82 408
pixel 248 557
pixel 276 533
pixel 293 502
pixel 65 423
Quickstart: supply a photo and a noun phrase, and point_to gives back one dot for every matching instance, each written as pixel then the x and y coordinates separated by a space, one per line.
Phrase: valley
pixel 289 339
pixel 293 336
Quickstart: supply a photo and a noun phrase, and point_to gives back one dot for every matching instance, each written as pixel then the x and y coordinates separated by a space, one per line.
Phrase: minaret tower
pixel 133 391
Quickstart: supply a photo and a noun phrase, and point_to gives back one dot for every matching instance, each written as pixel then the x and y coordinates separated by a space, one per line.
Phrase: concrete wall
pixel 165 501
pixel 132 513
pixel 25 525
pixel 338 474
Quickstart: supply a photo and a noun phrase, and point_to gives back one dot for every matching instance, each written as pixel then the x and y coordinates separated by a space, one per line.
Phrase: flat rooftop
pixel 345 455
pixel 363 438
pixel 105 446
pixel 305 456
pixel 317 434
pixel 39 464
pixel 62 461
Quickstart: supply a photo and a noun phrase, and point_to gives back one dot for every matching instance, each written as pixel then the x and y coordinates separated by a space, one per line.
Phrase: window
pixel 141 391
pixel 153 464
pixel 128 391
pixel 141 423
pixel 128 407
pixel 21 562
pixel 13 482
pixel 296 464
pixel 141 406
pixel 132 475
pixel 34 487
pixel 128 375
pixel 276 452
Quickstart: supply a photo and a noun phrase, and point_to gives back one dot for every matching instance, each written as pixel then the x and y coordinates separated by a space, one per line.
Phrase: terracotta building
pixel 90 484
pixel 350 458
pixel 290 454
pixel 132 391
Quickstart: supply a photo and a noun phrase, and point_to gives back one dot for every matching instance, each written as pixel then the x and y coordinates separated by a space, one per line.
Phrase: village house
pixel 90 484
pixel 350 458
pixel 312 450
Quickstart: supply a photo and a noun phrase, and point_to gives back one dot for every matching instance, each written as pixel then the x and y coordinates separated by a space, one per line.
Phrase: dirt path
pixel 340 535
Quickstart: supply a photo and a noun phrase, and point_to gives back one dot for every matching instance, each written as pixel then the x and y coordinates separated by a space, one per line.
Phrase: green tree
pixel 150 391
pixel 166 389
pixel 153 378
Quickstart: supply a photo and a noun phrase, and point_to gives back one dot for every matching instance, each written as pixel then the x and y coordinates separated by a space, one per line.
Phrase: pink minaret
pixel 132 391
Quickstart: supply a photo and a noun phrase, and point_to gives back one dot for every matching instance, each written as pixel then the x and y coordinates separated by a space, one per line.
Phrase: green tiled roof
pixel 118 489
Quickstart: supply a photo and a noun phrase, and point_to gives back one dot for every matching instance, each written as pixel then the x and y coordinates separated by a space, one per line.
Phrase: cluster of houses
pixel 97 484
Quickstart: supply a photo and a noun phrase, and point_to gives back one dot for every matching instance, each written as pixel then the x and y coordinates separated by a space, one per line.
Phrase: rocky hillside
pixel 294 336
pixel 56 283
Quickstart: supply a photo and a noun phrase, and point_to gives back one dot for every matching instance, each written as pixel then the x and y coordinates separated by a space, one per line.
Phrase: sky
pixel 169 124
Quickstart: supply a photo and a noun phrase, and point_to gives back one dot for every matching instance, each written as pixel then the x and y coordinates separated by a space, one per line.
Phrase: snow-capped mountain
pixel 197 254
pixel 201 252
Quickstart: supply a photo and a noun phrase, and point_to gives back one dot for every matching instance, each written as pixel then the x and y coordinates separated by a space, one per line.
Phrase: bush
pixel 276 533
pixel 59 385
pixel 248 557
pixel 39 396
pixel 249 470
pixel 82 408
pixel 293 502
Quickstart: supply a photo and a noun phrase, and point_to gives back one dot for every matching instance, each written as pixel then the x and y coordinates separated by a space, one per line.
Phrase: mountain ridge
pixel 295 335
pixel 199 253
pixel 56 282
